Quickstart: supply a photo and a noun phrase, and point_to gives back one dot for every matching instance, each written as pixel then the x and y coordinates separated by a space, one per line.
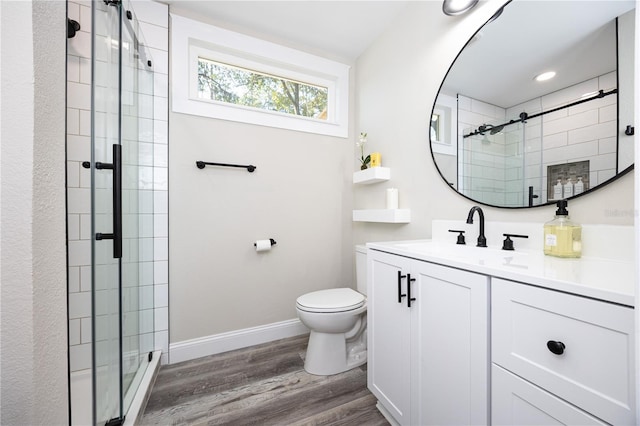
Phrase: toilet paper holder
pixel 273 242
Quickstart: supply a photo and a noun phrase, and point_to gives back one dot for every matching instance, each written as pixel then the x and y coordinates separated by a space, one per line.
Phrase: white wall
pixel 33 371
pixel 299 195
pixel 397 81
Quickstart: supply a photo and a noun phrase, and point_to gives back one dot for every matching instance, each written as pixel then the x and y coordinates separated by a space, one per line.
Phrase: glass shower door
pixel 122 210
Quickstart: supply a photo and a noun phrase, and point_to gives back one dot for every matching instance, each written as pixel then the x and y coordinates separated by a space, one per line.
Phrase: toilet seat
pixel 331 300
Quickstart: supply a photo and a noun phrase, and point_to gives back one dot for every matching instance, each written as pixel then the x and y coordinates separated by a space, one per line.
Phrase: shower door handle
pixel 116 166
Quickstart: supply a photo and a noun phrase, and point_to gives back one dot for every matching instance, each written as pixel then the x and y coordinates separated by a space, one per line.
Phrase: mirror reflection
pixel 536 105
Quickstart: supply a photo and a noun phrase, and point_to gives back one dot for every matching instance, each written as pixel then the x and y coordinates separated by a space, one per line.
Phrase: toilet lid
pixel 331 300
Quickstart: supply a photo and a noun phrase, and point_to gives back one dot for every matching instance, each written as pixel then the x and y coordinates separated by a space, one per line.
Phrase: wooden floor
pixel 262 385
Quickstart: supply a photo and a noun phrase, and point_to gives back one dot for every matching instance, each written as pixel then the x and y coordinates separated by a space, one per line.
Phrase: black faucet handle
pixel 460 236
pixel 507 244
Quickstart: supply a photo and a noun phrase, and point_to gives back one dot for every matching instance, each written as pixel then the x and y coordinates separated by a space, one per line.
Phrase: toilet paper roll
pixel 263 245
pixel 392 198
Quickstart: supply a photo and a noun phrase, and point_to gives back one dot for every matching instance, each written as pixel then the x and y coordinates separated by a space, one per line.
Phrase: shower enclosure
pixel 122 209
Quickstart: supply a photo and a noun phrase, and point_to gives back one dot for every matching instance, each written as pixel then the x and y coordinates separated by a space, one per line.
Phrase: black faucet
pixel 482 240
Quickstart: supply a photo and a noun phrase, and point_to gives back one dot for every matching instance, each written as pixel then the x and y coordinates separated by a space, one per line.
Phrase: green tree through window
pixel 239 86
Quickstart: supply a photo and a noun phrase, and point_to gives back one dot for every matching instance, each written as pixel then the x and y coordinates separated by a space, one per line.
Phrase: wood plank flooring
pixel 261 385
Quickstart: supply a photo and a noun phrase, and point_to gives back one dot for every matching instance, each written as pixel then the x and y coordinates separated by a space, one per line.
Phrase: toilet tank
pixel 361 269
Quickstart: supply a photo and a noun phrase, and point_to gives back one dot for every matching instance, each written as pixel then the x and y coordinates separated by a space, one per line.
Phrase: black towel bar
pixel 200 164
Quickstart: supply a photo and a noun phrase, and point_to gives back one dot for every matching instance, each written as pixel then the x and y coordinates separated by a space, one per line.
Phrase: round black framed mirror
pixel 503 135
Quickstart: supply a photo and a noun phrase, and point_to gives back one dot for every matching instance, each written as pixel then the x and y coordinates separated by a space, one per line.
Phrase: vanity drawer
pixel 515 401
pixel 593 368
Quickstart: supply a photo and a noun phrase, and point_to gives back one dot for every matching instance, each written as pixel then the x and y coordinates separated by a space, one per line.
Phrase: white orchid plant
pixel 362 140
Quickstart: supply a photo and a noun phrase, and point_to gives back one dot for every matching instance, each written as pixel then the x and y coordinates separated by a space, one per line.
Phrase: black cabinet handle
pixel 400 295
pixel 116 166
pixel 409 299
pixel 556 347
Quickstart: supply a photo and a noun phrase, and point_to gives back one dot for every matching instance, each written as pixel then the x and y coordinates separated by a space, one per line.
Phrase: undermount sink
pixel 466 253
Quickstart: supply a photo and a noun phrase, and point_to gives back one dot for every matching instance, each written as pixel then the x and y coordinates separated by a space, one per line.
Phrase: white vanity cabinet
pixel 428 354
pixel 559 358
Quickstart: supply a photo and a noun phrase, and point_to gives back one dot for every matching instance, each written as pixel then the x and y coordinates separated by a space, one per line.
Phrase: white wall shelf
pixel 372 175
pixel 382 215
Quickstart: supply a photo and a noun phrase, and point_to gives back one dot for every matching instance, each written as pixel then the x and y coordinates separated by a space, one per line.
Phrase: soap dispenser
pixel 562 238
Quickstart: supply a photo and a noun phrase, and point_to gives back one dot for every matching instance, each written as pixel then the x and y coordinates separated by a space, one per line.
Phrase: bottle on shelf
pixel 567 189
pixel 557 190
pixel 578 188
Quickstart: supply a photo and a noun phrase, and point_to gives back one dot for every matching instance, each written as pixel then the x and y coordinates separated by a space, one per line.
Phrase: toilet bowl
pixel 337 320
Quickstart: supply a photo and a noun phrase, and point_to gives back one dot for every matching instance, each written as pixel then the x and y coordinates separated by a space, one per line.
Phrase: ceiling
pixel 337 29
pixel 575 39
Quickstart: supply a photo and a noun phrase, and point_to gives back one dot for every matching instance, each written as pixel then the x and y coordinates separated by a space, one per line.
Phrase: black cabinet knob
pixel 556 347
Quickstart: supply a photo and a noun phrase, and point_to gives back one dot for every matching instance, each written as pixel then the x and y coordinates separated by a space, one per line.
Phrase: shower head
pixel 496 129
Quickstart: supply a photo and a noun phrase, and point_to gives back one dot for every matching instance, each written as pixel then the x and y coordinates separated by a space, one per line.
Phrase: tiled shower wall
pixel 503 167
pixel 154 24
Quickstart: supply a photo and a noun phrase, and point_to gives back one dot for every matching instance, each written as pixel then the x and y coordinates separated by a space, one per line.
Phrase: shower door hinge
pixel 116 421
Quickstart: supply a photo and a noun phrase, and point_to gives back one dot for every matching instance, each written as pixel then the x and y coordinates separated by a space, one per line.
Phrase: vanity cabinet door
pixel 450 330
pixel 388 334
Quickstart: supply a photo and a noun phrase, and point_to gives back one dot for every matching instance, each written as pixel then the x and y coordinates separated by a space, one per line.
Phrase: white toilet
pixel 337 319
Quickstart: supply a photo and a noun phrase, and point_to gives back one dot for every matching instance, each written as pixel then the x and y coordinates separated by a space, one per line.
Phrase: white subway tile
pixel 85 330
pixel 73 68
pixel 160 132
pixel 79 253
pixel 569 123
pixel 74 332
pixel 80 357
pixel 162 341
pixel 85 226
pixel 78 148
pixel 85 122
pixel 85 18
pixel 85 70
pixel 160 272
pixel 594 132
pixel 160 249
pixel 161 295
pixel 160 155
pixel 85 278
pixel 152 12
pixel 73 121
pixel 160 108
pixel 160 178
pixel 161 319
pixel 608 113
pixel 160 60
pixel 161 225
pixel 155 36
pixel 73 227
pixel 160 202
pixel 160 85
pixel 73 174
pixel 78 95
pixel 78 200
pixel 555 140
pixel 79 305
pixel 74 279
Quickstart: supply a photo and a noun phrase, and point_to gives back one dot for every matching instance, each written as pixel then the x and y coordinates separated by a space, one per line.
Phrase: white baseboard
pixel 237 339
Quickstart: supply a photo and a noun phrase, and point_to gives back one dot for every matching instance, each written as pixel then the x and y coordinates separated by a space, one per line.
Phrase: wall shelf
pixel 382 215
pixel 372 175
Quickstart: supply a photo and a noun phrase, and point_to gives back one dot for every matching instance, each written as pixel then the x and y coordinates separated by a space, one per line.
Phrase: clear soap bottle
pixel 562 238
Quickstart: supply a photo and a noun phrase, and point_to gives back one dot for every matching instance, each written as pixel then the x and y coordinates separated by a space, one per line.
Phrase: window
pixel 240 86
pixel 221 74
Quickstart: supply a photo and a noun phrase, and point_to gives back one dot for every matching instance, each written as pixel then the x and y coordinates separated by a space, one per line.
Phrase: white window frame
pixel 191 40
pixel 447 107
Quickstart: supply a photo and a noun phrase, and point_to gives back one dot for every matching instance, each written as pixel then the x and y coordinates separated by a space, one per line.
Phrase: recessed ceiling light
pixel 457 7
pixel 545 76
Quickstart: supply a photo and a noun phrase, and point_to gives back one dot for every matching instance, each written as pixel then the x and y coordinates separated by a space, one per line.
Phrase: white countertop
pixel 604 279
